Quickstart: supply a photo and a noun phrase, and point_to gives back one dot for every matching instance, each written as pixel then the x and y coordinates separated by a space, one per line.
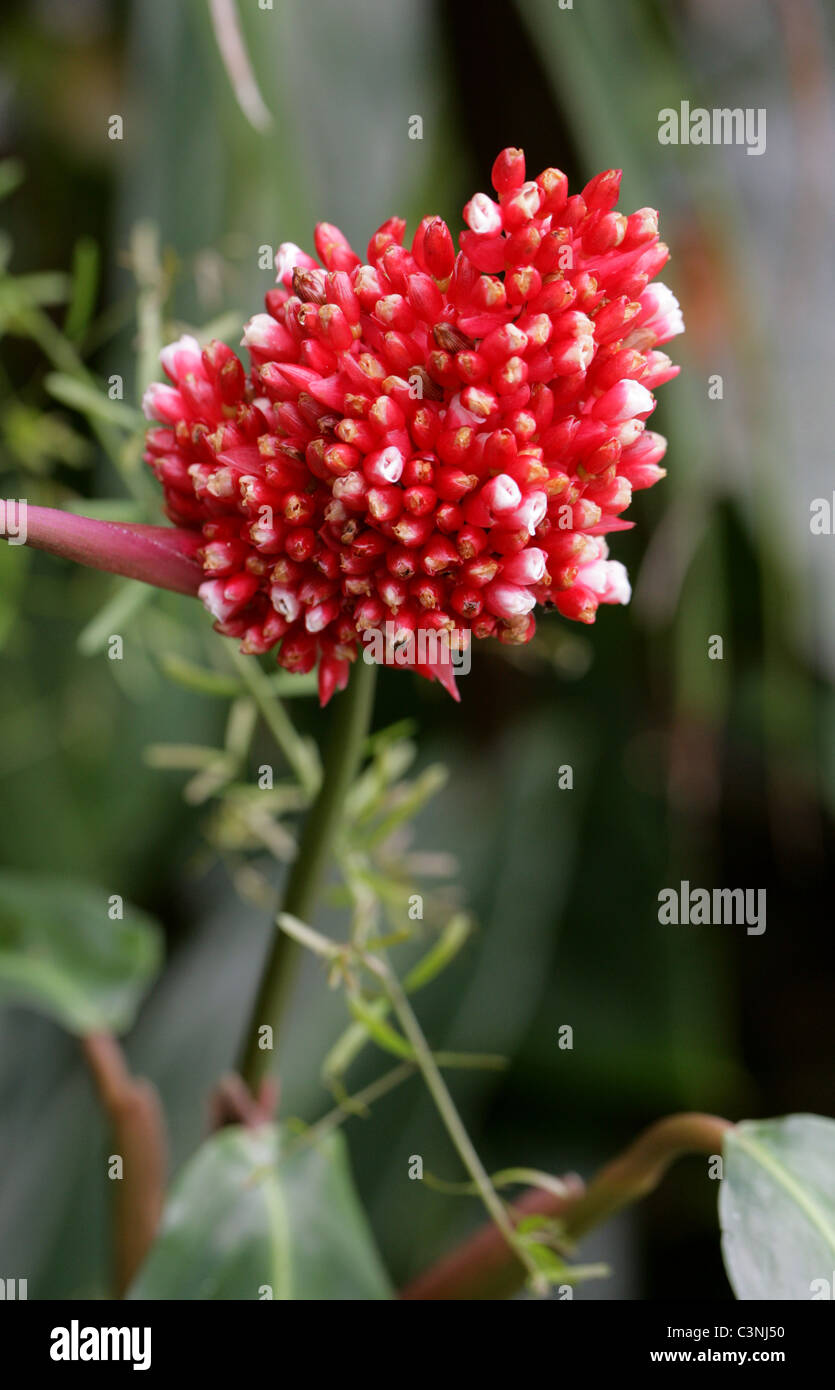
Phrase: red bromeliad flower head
pixel 427 440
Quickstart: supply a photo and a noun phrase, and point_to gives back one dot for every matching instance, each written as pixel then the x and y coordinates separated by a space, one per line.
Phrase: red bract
pixel 425 440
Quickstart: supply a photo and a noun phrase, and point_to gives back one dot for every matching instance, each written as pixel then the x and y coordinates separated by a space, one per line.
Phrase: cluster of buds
pixel 425 440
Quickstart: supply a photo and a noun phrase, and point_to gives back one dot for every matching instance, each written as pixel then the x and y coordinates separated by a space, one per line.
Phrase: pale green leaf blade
pixel 777 1207
pixel 256 1214
pixel 62 954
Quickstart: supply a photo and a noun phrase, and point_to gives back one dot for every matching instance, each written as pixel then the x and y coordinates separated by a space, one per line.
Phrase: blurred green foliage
pixel 252 1216
pixel 68 952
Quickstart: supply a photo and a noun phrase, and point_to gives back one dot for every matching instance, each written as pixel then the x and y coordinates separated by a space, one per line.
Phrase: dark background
pixel 722 773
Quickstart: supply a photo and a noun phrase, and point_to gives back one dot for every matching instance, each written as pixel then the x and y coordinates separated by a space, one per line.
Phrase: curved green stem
pixel 352 717
pixel 485 1267
pixel 639 1169
pixel 453 1123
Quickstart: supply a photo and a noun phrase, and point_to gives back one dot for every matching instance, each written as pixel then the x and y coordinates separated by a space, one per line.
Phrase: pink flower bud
pixel 526 567
pixel 320 615
pixel 384 466
pixel 529 515
pixel 266 340
pixel 287 257
pixel 623 401
pixel 182 357
pixel 508 600
pixel 482 215
pixel 508 170
pixel 285 602
pixel 333 248
pixel 163 403
pixel 438 250
pixel 501 494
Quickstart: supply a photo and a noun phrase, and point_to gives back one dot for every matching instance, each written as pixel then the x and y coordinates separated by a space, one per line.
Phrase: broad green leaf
pixel 777 1207
pixel 62 954
pixel 257 1214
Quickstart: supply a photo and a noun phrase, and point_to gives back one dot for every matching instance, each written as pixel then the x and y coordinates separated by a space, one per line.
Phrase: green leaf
pixel 386 1037
pixel 85 283
pixel 777 1207
pixel 452 938
pixel 256 1213
pixel 61 953
pixel 186 757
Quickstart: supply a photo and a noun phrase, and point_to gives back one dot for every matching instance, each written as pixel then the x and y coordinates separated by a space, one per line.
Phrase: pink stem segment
pixel 165 556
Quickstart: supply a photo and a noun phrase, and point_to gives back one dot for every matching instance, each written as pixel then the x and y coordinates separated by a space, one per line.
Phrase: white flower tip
pixel 635 399
pixel 482 215
pixel 504 493
pixel 392 463
pixel 257 331
pixel 287 257
pixel 667 310
pixel 211 594
pixel 170 353
pixel 532 511
pixel 536 565
pixel 156 398
pixel 285 602
pixel 619 590
pixel 509 600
